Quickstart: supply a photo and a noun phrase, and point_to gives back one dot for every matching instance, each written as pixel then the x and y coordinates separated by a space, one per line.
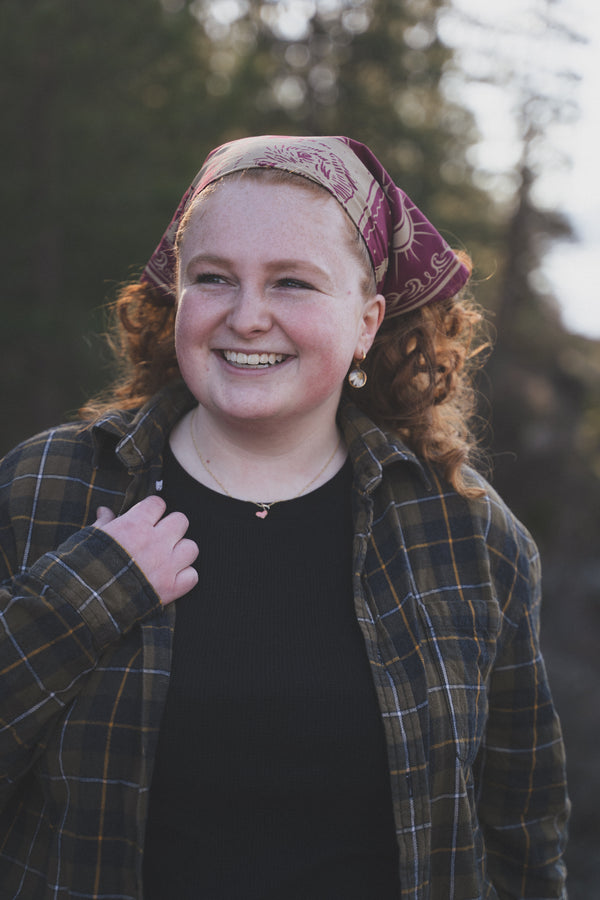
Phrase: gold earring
pixel 356 377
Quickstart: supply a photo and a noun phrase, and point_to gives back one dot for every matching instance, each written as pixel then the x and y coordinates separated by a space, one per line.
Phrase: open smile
pixel 253 360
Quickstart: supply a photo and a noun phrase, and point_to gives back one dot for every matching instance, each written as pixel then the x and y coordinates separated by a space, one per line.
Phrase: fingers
pixel 157 543
pixel 183 576
pixel 185 553
pixel 150 510
pixel 184 582
pixel 103 516
pixel 173 527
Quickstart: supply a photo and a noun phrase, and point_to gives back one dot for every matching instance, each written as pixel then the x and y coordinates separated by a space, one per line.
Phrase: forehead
pixel 288 208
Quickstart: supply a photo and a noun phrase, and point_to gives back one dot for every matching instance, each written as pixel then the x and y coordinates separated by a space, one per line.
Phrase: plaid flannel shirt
pixel 447 594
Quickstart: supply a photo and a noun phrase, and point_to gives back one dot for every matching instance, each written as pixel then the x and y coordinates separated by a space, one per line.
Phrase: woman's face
pixel 270 306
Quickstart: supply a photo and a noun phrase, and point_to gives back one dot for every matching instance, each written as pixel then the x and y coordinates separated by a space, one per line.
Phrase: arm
pixel 61 614
pixel 522 801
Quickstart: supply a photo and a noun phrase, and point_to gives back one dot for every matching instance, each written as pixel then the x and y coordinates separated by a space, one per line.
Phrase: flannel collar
pixel 372 449
pixel 135 437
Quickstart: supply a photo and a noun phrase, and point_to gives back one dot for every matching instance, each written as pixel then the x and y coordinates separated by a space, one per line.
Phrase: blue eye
pixel 208 278
pixel 296 283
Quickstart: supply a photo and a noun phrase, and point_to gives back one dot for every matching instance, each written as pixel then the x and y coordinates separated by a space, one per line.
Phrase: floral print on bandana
pixel 413 264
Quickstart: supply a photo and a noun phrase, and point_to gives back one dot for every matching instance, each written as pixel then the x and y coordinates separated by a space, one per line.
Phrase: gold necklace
pixel 263 508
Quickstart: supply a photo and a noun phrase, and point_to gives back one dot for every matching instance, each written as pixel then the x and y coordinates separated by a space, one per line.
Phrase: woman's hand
pixel 158 545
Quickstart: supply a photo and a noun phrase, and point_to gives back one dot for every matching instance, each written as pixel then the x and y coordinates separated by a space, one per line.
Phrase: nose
pixel 249 313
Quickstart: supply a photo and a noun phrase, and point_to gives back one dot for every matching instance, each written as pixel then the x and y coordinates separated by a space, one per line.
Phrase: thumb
pixel 103 516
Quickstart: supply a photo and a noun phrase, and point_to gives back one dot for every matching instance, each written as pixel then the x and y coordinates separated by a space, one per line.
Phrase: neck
pixel 255 464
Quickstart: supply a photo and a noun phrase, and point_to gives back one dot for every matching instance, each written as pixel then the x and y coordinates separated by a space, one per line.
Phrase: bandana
pixel 413 264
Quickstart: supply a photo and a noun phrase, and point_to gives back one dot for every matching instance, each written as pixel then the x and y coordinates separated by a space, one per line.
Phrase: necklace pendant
pixel 262 513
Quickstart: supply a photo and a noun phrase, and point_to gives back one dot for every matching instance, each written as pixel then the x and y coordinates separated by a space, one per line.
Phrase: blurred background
pixel 108 110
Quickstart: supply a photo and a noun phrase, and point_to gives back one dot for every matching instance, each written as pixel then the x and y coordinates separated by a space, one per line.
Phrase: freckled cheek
pixel 335 337
pixel 330 356
pixel 192 323
pixel 191 339
pixel 326 378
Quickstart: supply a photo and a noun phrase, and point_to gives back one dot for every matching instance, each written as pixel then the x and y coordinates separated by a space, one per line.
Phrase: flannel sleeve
pixel 522 801
pixel 56 619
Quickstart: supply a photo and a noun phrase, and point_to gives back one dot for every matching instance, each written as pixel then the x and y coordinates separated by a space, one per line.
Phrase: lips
pixel 254 360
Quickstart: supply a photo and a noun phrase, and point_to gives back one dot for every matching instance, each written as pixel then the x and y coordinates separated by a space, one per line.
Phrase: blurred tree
pixel 544 387
pixel 539 392
pixel 100 106
pixel 372 69
pixel 111 107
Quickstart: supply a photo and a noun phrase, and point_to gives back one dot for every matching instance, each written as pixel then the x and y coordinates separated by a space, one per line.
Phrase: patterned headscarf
pixel 413 264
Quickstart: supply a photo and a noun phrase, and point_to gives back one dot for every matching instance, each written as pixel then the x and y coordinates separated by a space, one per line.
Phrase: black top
pixel 271 777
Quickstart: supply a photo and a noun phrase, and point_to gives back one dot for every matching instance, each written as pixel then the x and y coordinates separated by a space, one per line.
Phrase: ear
pixel 372 317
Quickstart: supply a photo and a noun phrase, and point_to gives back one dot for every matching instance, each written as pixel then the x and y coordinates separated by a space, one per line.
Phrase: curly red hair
pixel 420 382
pixel 419 372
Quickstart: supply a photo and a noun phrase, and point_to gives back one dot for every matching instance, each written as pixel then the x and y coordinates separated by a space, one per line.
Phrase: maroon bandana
pixel 413 264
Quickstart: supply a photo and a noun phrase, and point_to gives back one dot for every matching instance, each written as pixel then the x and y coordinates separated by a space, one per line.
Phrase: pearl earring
pixel 356 377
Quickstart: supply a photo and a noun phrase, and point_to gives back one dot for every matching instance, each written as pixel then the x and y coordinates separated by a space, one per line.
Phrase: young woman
pixel 346 699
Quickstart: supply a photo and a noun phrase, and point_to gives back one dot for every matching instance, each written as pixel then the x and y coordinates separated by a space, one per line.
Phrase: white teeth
pixel 253 359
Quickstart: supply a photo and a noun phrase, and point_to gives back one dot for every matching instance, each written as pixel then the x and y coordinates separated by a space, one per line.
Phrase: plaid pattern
pixel 447 596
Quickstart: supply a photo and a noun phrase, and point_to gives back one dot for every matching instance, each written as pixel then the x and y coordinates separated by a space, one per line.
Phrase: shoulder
pixel 479 536
pixel 45 477
pixel 504 533
pixel 50 449
pixel 51 486
pixel 385 466
pixel 481 510
pixel 57 466
pixel 120 437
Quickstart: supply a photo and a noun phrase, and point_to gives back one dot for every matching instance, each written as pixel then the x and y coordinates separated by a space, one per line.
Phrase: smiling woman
pixel 266 632
pixel 419 359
